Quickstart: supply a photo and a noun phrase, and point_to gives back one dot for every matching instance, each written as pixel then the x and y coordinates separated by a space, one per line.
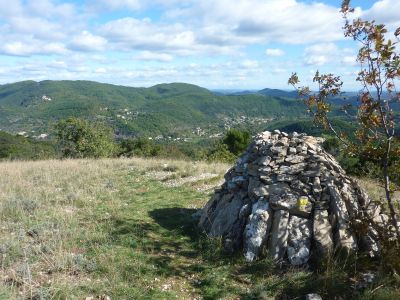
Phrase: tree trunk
pixel 393 214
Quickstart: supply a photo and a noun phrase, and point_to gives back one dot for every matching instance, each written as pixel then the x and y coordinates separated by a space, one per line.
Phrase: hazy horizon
pixel 216 89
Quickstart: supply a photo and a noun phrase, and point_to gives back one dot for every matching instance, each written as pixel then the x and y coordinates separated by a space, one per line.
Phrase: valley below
pixel 165 111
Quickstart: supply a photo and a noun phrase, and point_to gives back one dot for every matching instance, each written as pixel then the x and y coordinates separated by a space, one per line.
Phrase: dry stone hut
pixel 289 198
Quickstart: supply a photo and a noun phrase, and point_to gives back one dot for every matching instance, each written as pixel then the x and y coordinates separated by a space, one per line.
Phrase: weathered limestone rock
pixel 279 234
pixel 322 230
pixel 288 196
pixel 313 297
pixel 226 215
pixel 257 229
pixel 264 160
pixel 285 201
pixel 294 159
pixel 279 150
pixel 299 240
pixel 340 221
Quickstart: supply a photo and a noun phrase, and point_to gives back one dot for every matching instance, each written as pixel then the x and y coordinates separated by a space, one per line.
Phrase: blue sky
pixel 226 44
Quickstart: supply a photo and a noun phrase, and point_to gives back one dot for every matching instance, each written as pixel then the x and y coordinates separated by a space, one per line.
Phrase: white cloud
pixel 279 71
pixel 202 27
pixel 36 27
pixel 48 9
pixel 153 56
pixel 133 34
pixel 115 4
pixel 57 64
pixel 250 64
pixel 205 30
pixel 316 60
pixel 10 8
pixel 288 21
pixel 274 52
pixel 100 71
pixel 349 60
pixel 221 27
pixel 320 54
pixel 130 33
pixel 18 48
pixel 384 11
pixel 86 41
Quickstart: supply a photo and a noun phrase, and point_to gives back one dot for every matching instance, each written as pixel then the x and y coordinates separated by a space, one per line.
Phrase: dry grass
pixel 49 209
pixel 77 228
pixel 377 192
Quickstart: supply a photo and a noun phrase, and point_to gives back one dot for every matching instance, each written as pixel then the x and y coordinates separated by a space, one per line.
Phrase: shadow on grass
pixel 177 248
pixel 173 247
pixel 172 236
pixel 176 219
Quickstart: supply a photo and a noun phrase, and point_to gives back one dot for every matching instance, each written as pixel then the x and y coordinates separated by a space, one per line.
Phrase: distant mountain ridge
pixel 278 93
pixel 265 92
pixel 175 109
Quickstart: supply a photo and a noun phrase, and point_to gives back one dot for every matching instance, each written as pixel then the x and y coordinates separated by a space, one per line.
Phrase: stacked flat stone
pixel 288 198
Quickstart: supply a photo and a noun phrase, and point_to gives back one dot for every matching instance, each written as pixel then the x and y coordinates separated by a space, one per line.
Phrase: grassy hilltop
pixel 122 228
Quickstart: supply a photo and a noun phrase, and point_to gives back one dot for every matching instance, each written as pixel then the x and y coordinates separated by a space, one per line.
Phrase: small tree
pixel 236 140
pixel 78 138
pixel 140 147
pixel 379 72
pixel 221 153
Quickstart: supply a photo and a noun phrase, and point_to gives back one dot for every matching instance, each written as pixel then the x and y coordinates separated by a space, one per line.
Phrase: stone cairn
pixel 289 198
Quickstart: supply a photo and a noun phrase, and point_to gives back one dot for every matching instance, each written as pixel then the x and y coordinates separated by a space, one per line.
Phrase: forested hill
pixel 176 109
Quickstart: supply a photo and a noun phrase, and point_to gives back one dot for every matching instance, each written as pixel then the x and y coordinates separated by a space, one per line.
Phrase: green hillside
pixel 167 109
pixel 19 147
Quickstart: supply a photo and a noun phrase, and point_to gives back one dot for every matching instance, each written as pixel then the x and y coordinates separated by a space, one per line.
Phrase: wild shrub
pixel 236 140
pixel 139 147
pixel 79 138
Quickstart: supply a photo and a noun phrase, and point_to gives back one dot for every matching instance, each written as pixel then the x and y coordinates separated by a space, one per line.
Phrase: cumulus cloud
pixel 100 70
pixel 250 64
pixel 49 9
pixel 349 60
pixel 198 29
pixel 128 34
pixel 202 27
pixel 10 8
pixel 288 21
pixel 153 56
pixel 220 26
pixel 320 54
pixel 384 11
pixel 115 4
pixel 86 41
pixel 274 52
pixel 131 33
pixel 18 48
pixel 36 27
pixel 329 53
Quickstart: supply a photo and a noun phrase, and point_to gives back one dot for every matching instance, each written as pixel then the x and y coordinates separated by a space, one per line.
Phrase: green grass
pixel 78 228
